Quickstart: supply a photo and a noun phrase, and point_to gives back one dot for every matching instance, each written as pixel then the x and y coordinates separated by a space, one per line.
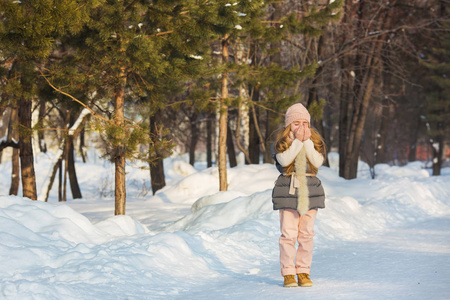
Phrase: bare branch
pixel 74 99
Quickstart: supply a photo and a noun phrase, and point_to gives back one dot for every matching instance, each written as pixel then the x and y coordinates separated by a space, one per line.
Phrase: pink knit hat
pixel 296 112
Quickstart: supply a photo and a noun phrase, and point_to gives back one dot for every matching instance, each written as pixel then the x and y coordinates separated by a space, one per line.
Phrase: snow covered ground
pixel 386 238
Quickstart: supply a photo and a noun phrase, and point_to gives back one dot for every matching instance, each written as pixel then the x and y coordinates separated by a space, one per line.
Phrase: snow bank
pixel 121 226
pixel 355 209
pixel 199 236
pixel 242 179
pixel 52 252
pixel 224 215
pixel 219 197
pixel 49 221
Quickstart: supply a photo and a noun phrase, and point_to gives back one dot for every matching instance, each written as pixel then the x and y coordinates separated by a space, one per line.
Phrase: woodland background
pixel 139 79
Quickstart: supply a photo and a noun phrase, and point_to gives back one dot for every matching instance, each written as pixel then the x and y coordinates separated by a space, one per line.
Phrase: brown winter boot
pixel 289 281
pixel 303 280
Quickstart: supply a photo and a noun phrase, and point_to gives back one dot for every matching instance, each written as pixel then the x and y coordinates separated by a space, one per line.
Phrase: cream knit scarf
pixel 302 190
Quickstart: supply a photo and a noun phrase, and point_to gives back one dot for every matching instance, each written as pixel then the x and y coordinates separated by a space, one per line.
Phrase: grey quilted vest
pixel 280 194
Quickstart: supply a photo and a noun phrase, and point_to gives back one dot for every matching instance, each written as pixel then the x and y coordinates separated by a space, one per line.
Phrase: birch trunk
pixel 243 122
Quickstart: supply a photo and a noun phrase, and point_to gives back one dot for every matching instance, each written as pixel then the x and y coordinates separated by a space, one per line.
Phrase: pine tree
pixel 229 22
pixel 118 46
pixel 28 32
pixel 130 53
pixel 183 86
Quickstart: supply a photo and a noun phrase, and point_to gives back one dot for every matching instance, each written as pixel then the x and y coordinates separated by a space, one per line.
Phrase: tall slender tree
pixel 437 88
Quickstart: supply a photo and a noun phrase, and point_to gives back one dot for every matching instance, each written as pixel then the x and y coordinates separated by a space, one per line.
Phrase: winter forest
pixel 145 128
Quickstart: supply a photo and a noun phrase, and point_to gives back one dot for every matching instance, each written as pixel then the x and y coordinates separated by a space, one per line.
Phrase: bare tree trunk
pixel 316 53
pixel 230 148
pixel 42 144
pixel 194 137
pixel 60 168
pixel 254 141
pixel 13 135
pixel 65 156
pixel 2 130
pixel 267 139
pixel 26 150
pixel 386 116
pixel 157 176
pixel 15 177
pixel 437 149
pixel 358 126
pixel 254 94
pixel 413 136
pixel 119 159
pixel 344 104
pixel 365 66
pixel 82 145
pixel 347 82
pixel 66 167
pixel 209 139
pixel 74 186
pixel 223 121
pixel 56 167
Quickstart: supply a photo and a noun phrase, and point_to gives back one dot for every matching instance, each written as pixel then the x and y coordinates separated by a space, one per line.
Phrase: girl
pixel 298 193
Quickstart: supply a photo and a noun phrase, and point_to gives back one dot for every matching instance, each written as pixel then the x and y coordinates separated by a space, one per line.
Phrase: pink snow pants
pixel 296 228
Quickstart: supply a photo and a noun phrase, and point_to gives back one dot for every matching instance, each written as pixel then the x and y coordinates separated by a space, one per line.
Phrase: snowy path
pixel 405 263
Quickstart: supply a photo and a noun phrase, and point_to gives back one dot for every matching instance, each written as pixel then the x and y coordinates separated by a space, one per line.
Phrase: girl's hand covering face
pixel 300 129
pixel 307 133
